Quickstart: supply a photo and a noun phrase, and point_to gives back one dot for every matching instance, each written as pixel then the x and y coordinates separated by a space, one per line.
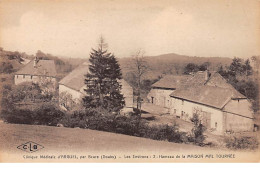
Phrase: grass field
pixel 75 139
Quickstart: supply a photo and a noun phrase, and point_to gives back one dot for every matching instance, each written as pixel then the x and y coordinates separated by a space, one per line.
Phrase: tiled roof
pixel 76 78
pixel 214 91
pixel 43 68
pixel 171 81
pixel 208 95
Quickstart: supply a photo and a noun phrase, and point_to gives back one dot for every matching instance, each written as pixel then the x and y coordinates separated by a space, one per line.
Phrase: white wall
pixel 76 95
pixel 188 108
pixel 18 79
pixel 219 120
pixel 161 97
pixel 25 78
pixel 238 123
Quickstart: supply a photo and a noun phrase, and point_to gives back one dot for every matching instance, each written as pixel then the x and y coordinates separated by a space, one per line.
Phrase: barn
pixel 73 85
pixel 220 106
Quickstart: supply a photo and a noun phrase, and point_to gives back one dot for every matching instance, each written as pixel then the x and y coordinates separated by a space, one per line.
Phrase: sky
pixel 206 28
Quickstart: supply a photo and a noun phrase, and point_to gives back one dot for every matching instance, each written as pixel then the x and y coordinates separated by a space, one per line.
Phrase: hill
pixel 171 64
pixel 158 65
pixel 10 61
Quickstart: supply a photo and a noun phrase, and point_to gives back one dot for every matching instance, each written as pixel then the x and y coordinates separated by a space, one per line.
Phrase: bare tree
pixel 140 68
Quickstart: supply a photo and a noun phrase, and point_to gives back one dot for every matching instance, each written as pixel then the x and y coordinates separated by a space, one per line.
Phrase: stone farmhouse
pixel 74 84
pixel 37 71
pixel 220 106
pixel 161 90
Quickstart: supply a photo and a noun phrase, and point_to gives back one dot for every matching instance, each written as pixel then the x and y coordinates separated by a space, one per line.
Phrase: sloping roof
pixel 215 91
pixel 171 81
pixel 217 80
pixel 76 78
pixel 208 95
pixel 43 68
pixel 200 78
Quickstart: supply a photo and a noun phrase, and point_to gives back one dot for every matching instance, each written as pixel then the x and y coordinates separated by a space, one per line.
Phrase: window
pixel 31 77
pixel 16 76
pixel 216 124
pixel 152 99
pixel 182 102
pixel 23 76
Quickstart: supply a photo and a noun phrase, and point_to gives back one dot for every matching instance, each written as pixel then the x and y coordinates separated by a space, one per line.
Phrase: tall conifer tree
pixel 103 87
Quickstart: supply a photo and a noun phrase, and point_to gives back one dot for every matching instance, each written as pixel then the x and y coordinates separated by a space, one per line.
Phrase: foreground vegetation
pixel 48 114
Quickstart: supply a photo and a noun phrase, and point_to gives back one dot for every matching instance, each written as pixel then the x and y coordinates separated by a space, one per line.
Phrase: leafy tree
pixel 204 66
pixel 247 68
pixel 6 67
pixel 15 56
pixel 198 129
pixel 235 75
pixel 191 68
pixel 102 80
pixel 236 67
pixel 66 100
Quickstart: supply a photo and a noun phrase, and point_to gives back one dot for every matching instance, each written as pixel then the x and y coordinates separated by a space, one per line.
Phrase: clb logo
pixel 30 147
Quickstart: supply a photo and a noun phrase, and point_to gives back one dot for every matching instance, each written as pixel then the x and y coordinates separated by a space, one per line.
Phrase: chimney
pixel 35 62
pixel 207 75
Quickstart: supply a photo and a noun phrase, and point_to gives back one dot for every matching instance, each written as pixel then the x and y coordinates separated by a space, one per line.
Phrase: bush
pixel 244 142
pixel 18 116
pixel 198 130
pixel 45 114
pixel 133 126
pixel 165 132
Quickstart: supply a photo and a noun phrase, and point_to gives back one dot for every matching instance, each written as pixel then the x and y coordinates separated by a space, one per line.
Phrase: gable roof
pixel 76 78
pixel 43 68
pixel 208 95
pixel 171 81
pixel 214 91
pixel 218 81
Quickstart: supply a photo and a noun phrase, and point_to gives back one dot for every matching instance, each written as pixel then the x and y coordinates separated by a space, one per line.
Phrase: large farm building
pixel 220 106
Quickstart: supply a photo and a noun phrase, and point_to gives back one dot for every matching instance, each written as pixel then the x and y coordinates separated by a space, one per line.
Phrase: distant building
pixel 37 71
pixel 220 106
pixel 74 85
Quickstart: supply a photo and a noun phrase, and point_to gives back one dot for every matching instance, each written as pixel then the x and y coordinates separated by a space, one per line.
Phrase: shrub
pixel 132 125
pixel 241 143
pixel 198 130
pixel 18 116
pixel 165 132
pixel 45 114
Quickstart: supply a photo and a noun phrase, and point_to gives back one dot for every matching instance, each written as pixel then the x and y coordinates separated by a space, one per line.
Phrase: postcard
pixel 127 81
